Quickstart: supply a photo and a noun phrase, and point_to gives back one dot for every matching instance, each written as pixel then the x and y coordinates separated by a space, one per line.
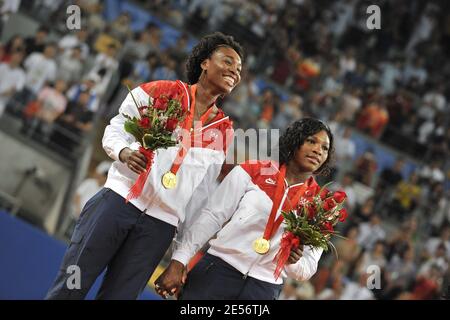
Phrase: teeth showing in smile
pixel 229 80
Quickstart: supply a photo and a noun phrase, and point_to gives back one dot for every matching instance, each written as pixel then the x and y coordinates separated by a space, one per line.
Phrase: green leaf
pixel 132 127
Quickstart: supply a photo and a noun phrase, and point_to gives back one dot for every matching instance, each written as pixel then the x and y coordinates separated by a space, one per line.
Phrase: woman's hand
pixel 171 280
pixel 135 160
pixel 295 255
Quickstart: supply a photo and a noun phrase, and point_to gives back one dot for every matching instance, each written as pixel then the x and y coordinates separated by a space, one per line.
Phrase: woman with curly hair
pixel 239 263
pixel 130 238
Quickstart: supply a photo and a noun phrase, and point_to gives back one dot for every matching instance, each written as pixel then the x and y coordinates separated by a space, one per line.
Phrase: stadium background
pixel 385 94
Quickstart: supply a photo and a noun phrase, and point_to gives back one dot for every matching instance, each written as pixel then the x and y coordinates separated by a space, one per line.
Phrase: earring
pixel 202 75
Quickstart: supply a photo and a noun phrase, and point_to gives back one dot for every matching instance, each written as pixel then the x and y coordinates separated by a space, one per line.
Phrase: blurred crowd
pixel 316 58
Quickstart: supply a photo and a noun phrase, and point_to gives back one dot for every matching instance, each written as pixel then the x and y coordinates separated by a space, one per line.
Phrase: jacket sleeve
pixel 219 209
pixel 306 266
pixel 115 137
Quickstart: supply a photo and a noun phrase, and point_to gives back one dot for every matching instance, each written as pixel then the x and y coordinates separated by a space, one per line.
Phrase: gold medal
pixel 169 180
pixel 261 246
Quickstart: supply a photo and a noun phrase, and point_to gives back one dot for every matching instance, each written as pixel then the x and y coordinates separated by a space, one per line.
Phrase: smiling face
pixel 223 69
pixel 313 153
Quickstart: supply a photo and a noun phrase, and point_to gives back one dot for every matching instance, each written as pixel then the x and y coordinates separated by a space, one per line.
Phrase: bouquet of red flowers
pixel 159 118
pixel 311 222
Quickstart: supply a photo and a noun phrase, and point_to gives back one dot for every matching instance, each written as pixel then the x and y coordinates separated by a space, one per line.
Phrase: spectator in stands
pixel 179 53
pixel 289 110
pixel 70 41
pixel 440 258
pixel 347 62
pixel 95 21
pixel 40 69
pixel 363 211
pixel 268 109
pixel 166 70
pixel 333 291
pixel 374 257
pixel 121 28
pixel 350 104
pixel 406 197
pixel 348 249
pixel 88 85
pixel 402 270
pixel 373 119
pixel 433 243
pixel 73 123
pixel 77 115
pixel 155 36
pixel 428 285
pixel 105 64
pixel 391 176
pixel 50 104
pixel 144 70
pixel 403 238
pixel 70 66
pixel 8 8
pixel 365 167
pixel 15 43
pixel 436 138
pixel 12 79
pixel 37 43
pixel 289 291
pixel 345 152
pixel 415 71
pixel 142 229
pixel 137 48
pixel 357 290
pixel 432 173
pixel 370 232
pixel 43 9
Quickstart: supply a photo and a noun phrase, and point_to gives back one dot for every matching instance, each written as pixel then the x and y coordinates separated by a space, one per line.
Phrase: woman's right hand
pixel 171 280
pixel 134 160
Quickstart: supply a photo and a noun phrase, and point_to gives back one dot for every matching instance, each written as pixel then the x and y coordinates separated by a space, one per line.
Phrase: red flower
pixel 328 227
pixel 312 210
pixel 329 204
pixel 171 124
pixel 160 103
pixel 343 215
pixel 144 123
pixel 339 196
pixel 324 193
pixel 312 191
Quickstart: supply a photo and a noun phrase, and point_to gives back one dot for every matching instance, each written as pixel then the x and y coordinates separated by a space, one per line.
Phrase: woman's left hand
pixel 295 255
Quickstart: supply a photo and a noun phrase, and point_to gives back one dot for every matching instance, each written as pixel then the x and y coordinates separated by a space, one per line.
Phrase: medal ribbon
pixel 187 125
pixel 272 224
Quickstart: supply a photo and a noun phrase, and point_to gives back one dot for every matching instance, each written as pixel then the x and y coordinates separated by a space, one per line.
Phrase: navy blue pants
pixel 214 279
pixel 115 235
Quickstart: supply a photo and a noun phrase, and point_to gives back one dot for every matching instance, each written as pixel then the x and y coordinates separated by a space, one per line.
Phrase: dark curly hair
pixel 296 134
pixel 204 49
